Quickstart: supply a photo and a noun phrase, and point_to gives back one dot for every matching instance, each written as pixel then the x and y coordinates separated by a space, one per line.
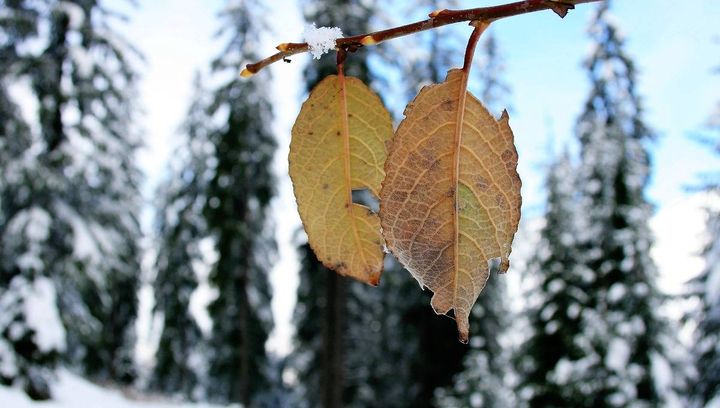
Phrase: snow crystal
pixel 321 40
pixel 42 316
pixel 618 355
pixel 75 13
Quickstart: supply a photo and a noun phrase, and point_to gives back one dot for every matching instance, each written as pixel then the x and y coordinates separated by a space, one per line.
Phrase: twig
pixel 437 18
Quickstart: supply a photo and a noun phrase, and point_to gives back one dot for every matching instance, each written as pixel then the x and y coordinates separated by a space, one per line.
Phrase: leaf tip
pixel 505 116
pixel 463 325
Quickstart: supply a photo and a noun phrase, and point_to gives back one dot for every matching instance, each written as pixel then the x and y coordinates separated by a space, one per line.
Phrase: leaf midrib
pixel 345 131
pixel 459 119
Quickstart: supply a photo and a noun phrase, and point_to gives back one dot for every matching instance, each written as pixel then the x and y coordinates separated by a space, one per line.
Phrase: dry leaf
pixel 338 144
pixel 449 153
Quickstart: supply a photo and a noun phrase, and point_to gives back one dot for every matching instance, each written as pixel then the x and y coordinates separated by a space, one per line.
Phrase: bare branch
pixel 437 18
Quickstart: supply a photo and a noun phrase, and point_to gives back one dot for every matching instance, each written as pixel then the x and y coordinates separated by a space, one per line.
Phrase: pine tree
pixel 705 390
pixel 100 197
pixel 556 302
pixel 629 338
pixel 236 212
pixel 623 340
pixel 181 229
pixel 27 354
pixel 319 317
pixel 72 201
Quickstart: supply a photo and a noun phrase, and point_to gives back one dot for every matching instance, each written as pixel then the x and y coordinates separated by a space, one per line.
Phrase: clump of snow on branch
pixel 321 40
pixel 43 317
pixel 75 13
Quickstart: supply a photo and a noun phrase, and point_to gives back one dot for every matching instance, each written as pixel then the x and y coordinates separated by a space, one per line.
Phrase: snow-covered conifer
pixel 236 211
pixel 70 199
pixel 181 229
pixel 705 389
pixel 621 352
pixel 557 300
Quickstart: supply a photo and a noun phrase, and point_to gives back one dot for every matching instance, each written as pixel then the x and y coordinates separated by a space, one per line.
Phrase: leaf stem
pixel 437 19
pixel 480 27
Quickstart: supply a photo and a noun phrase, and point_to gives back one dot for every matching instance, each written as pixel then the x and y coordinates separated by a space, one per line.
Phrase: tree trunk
pixel 244 313
pixel 332 360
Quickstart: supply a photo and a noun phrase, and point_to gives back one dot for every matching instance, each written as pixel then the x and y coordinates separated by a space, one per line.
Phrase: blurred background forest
pixel 151 253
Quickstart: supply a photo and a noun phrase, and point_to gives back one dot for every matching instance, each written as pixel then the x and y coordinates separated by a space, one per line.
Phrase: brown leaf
pixel 338 144
pixel 450 202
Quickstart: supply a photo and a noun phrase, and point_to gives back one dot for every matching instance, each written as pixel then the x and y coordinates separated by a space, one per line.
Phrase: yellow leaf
pixel 338 145
pixel 450 202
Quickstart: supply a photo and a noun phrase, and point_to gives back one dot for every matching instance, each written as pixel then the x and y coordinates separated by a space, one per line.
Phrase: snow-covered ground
pixel 71 391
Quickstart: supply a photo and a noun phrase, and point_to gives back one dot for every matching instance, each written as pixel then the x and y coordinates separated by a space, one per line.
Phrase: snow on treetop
pixel 321 40
pixel 75 13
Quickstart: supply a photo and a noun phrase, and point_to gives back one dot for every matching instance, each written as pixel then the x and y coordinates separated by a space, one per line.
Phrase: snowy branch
pixel 437 18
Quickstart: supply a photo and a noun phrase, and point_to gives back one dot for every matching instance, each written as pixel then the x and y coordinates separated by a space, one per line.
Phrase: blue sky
pixel 675 46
